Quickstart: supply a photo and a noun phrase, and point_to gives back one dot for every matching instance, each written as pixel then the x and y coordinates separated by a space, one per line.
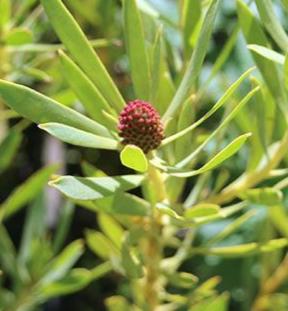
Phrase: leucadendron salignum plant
pixel 153 135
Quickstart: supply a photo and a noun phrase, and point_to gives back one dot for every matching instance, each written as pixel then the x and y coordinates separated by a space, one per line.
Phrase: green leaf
pixel 124 204
pixel 186 118
pixel 286 72
pixel 8 254
pixel 133 157
pixel 183 280
pixel 244 249
pixel 156 58
pixel 18 36
pixel 74 281
pixel 33 229
pixel 8 149
pixel 267 53
pixel 63 226
pixel 60 265
pixel 219 158
pixel 254 34
pixel 85 90
pixel 201 210
pixel 41 109
pixel 266 196
pixel 74 136
pixel 231 228
pixel 47 48
pixel 100 244
pixel 93 188
pixel 26 192
pixel 224 99
pixel 117 303
pixel 272 24
pixel 75 41
pixel 138 57
pixel 191 18
pixel 5 9
pixel 131 263
pixel 278 217
pixel 228 118
pixel 195 64
pixel 223 57
pixel 111 228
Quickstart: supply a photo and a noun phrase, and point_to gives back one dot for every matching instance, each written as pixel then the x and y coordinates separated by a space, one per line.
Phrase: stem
pixel 272 284
pixel 152 246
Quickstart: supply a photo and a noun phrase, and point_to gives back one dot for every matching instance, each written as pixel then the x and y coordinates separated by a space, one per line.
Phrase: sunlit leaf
pixel 138 57
pixel 93 188
pixel 78 137
pixel 196 61
pixel 133 157
pixel 41 109
pixel 81 50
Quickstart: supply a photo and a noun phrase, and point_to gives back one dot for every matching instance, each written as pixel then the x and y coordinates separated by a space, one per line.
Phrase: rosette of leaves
pixel 136 230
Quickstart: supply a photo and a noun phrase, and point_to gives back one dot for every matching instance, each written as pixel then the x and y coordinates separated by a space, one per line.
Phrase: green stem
pixel 152 246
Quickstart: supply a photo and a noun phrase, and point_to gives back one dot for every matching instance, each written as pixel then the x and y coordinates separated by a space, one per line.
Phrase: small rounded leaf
pixel 133 157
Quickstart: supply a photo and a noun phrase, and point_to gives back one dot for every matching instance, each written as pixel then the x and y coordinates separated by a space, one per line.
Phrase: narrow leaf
pixel 226 96
pixel 93 188
pixel 222 156
pixel 59 267
pixel 8 149
pixel 272 24
pixel 74 136
pixel 267 53
pixel 85 90
pixel 136 48
pixel 195 64
pixel 26 192
pixel 230 117
pixel 81 50
pixel 41 109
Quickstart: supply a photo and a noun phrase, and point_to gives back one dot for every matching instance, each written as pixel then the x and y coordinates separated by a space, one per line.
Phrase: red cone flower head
pixel 140 125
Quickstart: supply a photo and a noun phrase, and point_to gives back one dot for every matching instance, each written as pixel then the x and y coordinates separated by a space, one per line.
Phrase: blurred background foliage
pixel 28 54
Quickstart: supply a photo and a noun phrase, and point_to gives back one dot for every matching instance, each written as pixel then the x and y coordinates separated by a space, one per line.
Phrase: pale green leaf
pixel 74 136
pixel 267 53
pixel 272 24
pixel 93 188
pixel 226 96
pixel 219 158
pixel 41 109
pixel 74 281
pixel 123 204
pixel 138 57
pixel 195 64
pixel 81 50
pixel 225 122
pixel 93 102
pixel 60 265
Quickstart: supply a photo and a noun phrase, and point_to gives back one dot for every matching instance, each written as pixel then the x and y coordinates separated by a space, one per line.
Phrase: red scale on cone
pixel 140 125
